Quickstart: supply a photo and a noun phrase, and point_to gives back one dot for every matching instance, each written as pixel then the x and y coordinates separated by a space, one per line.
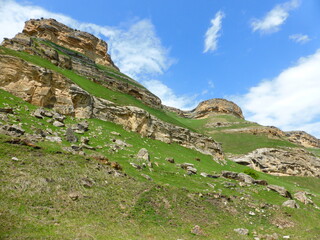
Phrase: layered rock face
pixel 216 105
pixel 52 40
pixel 282 162
pixel 46 88
pixel 85 43
pixel 303 138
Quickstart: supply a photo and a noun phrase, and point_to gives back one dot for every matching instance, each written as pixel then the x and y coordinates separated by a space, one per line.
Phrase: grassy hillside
pixel 35 190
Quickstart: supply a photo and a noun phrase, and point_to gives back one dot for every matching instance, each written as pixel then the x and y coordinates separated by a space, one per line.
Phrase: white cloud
pixel 168 96
pixel 272 21
pixel 299 38
pixel 213 33
pixel 290 101
pixel 137 50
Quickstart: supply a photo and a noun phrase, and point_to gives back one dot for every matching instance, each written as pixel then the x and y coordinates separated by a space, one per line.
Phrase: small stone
pixel 136 166
pixel 74 196
pixel 54 139
pixel 14 159
pixel 58 117
pixel 290 204
pixel 241 231
pixel 146 176
pixel 143 154
pixel 196 230
pixel 252 213
pixel 170 159
pixel 115 133
pixel 204 174
pixel 286 237
pixel 58 124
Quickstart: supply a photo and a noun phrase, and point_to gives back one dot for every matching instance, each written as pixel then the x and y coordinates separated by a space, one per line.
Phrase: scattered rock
pixel 70 136
pixel 170 159
pixel 143 154
pixel 115 133
pixel 245 178
pixel 14 159
pixel 229 185
pixel 302 197
pixel 54 139
pixel 252 213
pixel 6 110
pixel 241 231
pixel 116 166
pixel 136 166
pixel 228 174
pixel 74 196
pixel 191 170
pixel 290 204
pixel 81 127
pixel 58 124
pixel 12 130
pixel 196 230
pixel 261 182
pixel 204 174
pixel 59 117
pixel 85 140
pixel 146 176
pixel 281 190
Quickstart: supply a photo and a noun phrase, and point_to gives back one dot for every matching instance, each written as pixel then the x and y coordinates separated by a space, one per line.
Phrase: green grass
pixel 35 204
pixel 92 87
pixel 241 143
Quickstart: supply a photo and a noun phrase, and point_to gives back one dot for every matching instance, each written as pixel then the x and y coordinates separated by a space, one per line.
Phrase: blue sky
pixel 262 54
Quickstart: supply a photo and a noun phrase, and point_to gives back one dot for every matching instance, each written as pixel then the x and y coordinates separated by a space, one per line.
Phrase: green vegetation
pixel 241 143
pixel 92 87
pixel 35 202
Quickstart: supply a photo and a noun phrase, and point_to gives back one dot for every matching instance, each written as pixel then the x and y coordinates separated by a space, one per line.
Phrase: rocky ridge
pixel 45 88
pixel 54 41
pixel 282 162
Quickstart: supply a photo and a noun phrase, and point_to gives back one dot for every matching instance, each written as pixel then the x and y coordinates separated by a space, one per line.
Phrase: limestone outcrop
pixel 51 40
pixel 303 138
pixel 45 88
pixel 282 162
pixel 216 105
pixel 83 42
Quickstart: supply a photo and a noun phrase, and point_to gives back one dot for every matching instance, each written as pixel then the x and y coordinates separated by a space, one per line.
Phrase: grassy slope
pixel 91 87
pixel 35 205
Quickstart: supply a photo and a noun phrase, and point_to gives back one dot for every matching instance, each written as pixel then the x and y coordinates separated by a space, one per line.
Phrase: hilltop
pixel 89 153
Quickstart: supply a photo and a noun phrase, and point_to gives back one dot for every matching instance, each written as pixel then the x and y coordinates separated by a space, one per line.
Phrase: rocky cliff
pixel 46 88
pixel 216 105
pixel 87 56
pixel 282 162
pixel 58 33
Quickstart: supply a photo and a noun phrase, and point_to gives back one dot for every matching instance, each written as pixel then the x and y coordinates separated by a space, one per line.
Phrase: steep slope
pixel 88 153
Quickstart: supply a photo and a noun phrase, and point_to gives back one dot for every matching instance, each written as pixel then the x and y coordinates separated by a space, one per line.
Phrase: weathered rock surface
pixel 83 42
pixel 290 204
pixel 283 162
pixel 281 190
pixel 82 58
pixel 303 138
pixel 216 105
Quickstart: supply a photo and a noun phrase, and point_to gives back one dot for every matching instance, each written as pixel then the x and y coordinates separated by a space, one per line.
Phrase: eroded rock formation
pixel 43 87
pixel 282 162
pixel 216 105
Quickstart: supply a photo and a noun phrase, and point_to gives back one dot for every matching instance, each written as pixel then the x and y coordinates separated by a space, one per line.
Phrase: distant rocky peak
pixel 215 105
pixel 58 33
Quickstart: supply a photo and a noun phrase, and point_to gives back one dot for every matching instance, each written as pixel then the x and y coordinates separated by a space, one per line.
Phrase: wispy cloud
pixel 289 101
pixel 299 38
pixel 168 96
pixel 277 16
pixel 136 49
pixel 213 33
